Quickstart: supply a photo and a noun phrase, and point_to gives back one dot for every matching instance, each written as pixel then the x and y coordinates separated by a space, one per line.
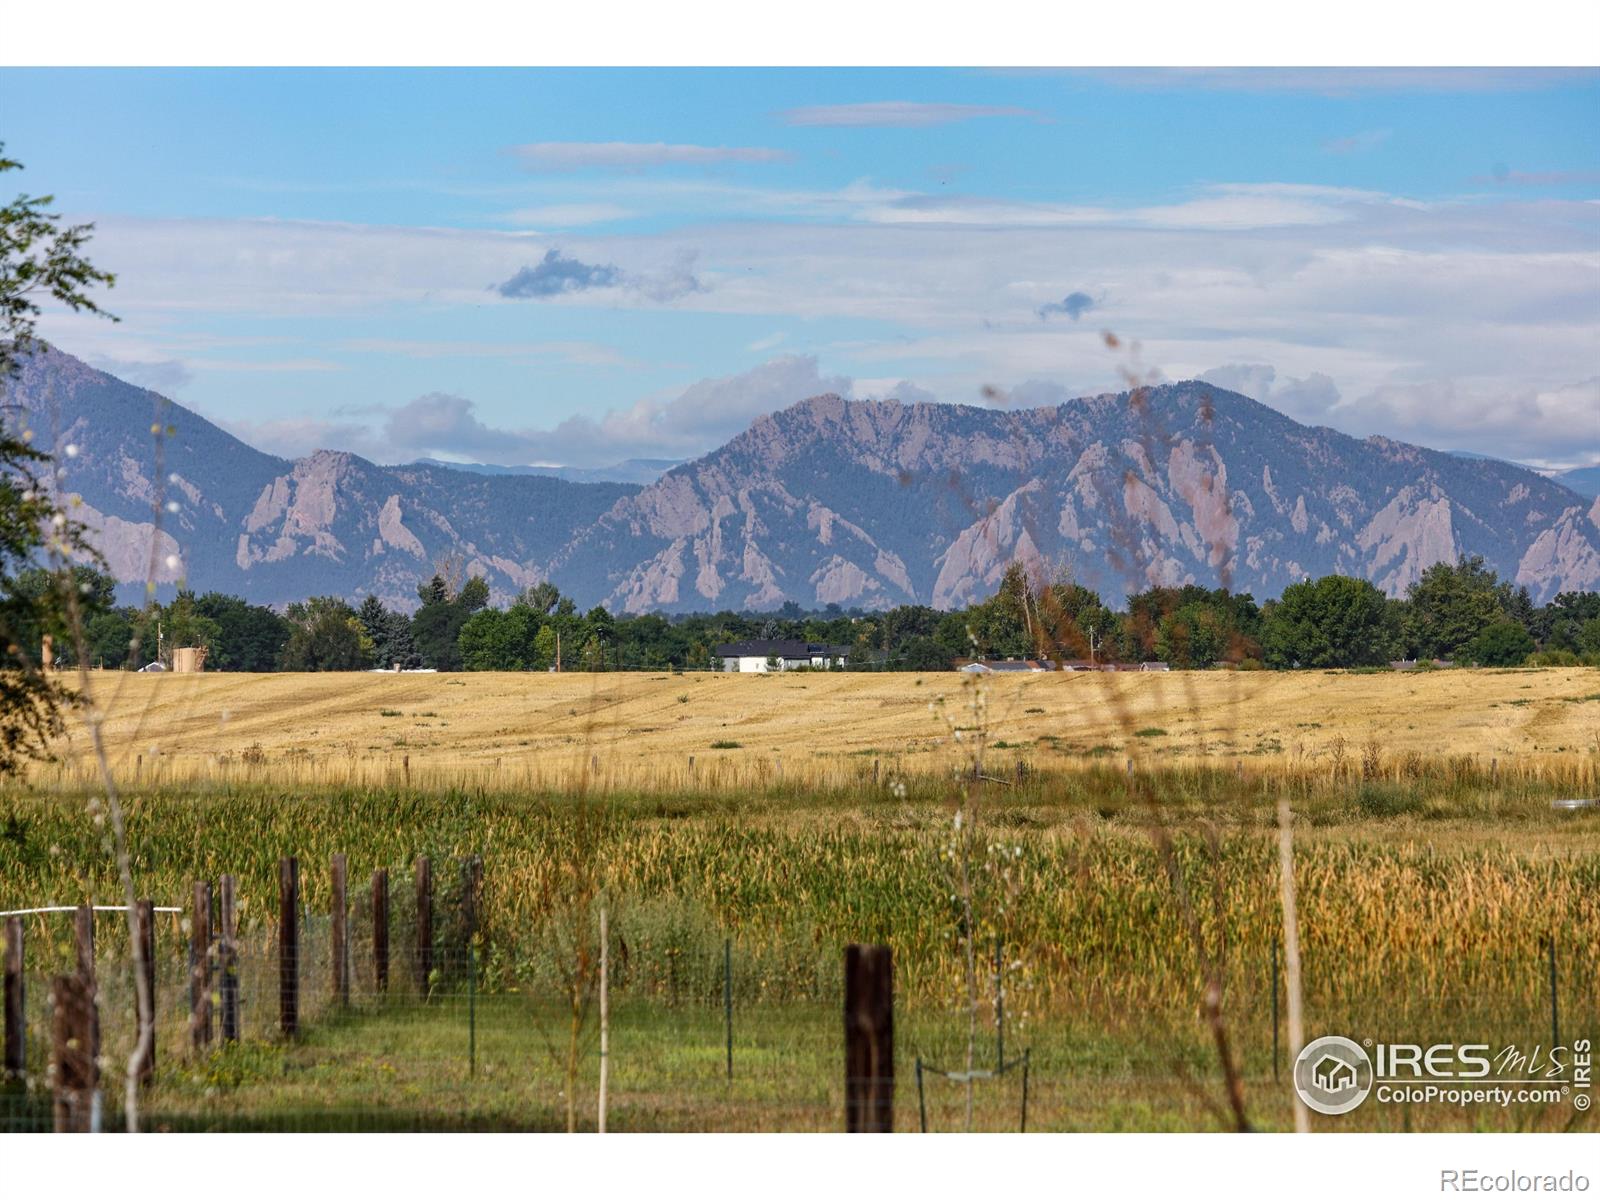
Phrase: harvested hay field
pixel 648 730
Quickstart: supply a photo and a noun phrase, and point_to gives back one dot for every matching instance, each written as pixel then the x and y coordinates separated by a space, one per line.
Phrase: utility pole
pixel 558 650
pixel 1093 645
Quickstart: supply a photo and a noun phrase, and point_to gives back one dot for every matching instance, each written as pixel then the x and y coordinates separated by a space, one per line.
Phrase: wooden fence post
pixel 144 927
pixel 424 924
pixel 16 1030
pixel 83 937
pixel 228 959
pixel 289 945
pixel 339 939
pixel 200 967
pixel 868 1039
pixel 380 927
pixel 76 1074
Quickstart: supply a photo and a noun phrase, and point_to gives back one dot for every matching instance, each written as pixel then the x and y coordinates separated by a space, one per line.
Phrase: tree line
pixel 1458 612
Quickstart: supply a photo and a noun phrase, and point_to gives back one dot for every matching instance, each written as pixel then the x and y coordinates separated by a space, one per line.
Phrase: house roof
pixel 1006 664
pixel 780 648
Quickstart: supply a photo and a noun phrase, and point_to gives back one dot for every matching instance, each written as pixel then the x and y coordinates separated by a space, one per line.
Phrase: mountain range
pixel 868 503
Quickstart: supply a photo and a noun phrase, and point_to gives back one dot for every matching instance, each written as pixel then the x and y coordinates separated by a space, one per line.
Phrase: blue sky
pixel 582 266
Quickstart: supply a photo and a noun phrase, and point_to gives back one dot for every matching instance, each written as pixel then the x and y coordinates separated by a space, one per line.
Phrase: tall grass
pixel 1449 894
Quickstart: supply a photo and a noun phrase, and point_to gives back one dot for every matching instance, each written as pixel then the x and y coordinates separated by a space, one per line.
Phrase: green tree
pixel 492 640
pixel 182 624
pixel 326 635
pixel 921 654
pixel 436 627
pixel 108 638
pixel 1193 637
pixel 598 647
pixel 40 259
pixel 1451 604
pixel 250 637
pixel 1559 625
pixel 1504 644
pixel 544 648
pixel 542 598
pixel 1336 621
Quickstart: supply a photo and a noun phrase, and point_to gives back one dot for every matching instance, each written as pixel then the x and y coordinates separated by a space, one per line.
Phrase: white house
pixel 771 654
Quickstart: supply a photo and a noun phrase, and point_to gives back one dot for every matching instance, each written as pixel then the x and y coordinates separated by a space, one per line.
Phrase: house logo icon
pixel 1333 1075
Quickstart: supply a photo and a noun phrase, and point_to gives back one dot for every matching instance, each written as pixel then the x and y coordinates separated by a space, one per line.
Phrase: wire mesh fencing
pixel 383 1005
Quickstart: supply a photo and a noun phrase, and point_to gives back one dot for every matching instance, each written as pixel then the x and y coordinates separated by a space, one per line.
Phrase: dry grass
pixel 640 730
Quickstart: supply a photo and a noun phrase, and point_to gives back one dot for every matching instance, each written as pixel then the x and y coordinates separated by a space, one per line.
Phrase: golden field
pixel 641 729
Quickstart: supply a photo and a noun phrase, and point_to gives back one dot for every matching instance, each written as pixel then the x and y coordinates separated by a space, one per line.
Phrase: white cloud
pixel 635 156
pixel 1340 81
pixel 1309 400
pixel 164 376
pixel 588 354
pixel 569 216
pixel 898 113
pixel 700 418
pixel 298 436
pixel 1368 291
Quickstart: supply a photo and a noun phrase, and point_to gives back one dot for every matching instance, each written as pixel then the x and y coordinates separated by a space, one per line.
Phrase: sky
pixel 581 266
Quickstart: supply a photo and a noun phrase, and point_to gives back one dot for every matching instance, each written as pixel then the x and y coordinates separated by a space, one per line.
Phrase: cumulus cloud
pixel 1309 399
pixel 559 275
pixel 898 113
pixel 672 282
pixel 296 437
pixel 1532 424
pixel 442 423
pixel 636 156
pixel 1030 393
pixel 700 418
pixel 1074 305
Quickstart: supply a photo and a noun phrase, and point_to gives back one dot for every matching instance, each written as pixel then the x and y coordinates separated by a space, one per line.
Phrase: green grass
pixel 725 744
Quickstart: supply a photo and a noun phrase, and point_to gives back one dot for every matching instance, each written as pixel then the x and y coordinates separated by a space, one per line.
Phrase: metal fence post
pixel 200 967
pixel 424 924
pixel 339 930
pixel 727 999
pixel 228 958
pixel 380 928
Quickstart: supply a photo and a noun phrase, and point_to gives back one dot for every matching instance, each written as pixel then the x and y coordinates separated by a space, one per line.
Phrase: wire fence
pixel 401 1016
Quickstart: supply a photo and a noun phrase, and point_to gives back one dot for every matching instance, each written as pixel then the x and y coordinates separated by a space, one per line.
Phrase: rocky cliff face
pixel 869 503
pixel 877 503
pixel 236 520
